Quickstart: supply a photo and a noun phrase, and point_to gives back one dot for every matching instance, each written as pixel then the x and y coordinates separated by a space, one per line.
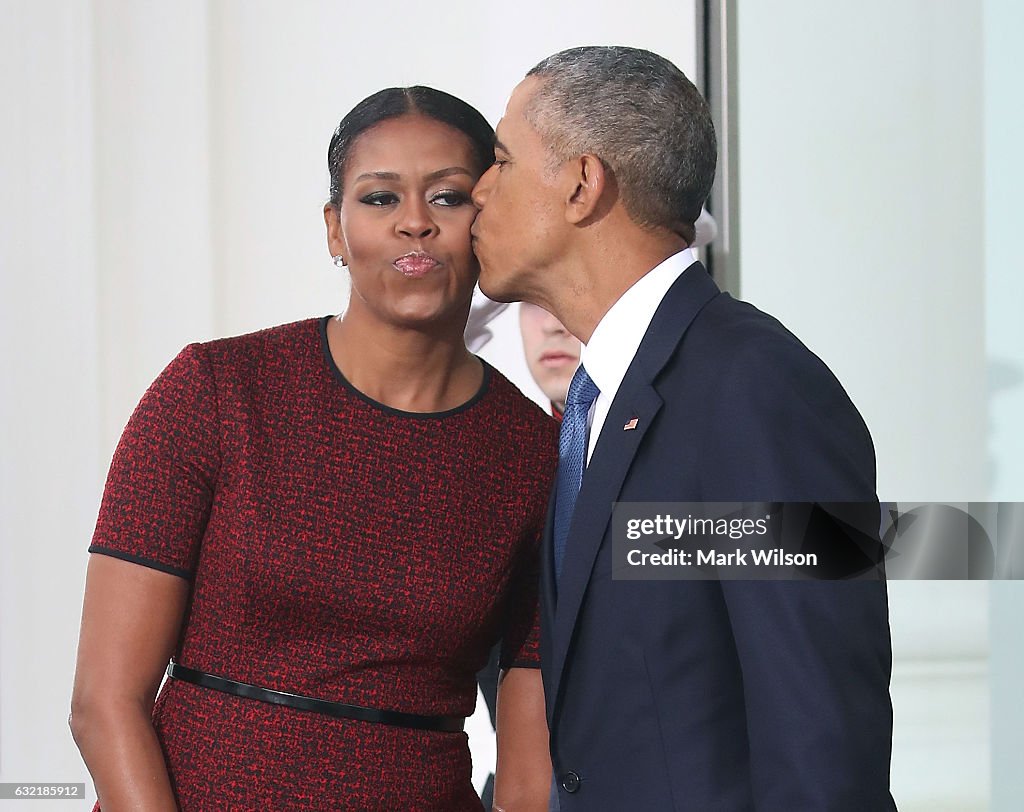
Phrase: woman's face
pixel 403 223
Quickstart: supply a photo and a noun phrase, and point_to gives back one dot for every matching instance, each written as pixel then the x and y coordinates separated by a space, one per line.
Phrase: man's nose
pixel 483 187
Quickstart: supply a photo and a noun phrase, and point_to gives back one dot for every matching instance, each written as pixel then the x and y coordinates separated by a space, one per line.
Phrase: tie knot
pixel 582 391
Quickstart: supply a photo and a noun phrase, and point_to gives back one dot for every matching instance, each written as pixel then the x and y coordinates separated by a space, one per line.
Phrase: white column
pixel 153 210
pixel 1004 288
pixel 1004 269
pixel 50 471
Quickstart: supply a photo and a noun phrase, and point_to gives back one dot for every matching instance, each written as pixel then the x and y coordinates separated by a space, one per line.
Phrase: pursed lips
pixel 416 264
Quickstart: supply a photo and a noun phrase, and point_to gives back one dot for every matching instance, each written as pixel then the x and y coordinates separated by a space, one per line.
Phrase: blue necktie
pixel 572 451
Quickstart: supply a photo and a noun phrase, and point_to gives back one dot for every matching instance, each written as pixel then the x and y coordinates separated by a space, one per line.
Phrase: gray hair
pixel 642 117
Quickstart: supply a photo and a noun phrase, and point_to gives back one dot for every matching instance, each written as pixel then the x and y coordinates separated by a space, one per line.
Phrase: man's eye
pixel 379 198
pixel 500 163
pixel 450 197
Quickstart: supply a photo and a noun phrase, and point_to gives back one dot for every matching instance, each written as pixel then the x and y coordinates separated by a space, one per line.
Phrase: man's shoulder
pixel 735 325
pixel 736 359
pixel 766 415
pixel 730 338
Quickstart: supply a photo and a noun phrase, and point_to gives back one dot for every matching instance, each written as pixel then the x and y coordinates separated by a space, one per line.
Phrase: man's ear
pixel 589 182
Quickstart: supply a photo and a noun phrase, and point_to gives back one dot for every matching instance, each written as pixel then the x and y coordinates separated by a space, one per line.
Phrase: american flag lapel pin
pixel 631 424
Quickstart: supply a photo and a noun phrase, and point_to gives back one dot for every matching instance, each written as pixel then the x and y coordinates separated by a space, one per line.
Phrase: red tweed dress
pixel 337 548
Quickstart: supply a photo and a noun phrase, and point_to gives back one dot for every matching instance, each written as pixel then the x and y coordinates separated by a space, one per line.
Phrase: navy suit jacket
pixel 703 695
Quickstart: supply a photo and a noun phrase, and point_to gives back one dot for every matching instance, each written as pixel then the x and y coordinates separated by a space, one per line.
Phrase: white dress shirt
pixel 617 336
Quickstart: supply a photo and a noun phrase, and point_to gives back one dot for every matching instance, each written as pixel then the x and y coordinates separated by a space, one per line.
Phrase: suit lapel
pixel 613 455
pixel 602 483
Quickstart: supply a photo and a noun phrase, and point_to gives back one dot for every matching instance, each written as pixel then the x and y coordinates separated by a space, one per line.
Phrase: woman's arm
pixel 130 625
pixel 522 779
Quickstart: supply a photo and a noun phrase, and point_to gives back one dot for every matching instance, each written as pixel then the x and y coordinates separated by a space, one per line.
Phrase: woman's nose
pixel 415 220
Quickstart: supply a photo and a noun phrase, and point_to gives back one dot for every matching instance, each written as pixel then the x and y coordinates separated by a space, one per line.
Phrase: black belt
pixel 446 724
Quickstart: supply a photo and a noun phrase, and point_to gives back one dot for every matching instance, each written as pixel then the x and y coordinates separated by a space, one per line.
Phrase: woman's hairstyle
pixel 394 102
pixel 642 117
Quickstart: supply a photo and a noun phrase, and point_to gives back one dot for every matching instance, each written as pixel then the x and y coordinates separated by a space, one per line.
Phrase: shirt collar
pixel 617 336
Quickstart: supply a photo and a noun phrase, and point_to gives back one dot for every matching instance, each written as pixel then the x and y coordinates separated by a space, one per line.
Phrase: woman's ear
pixel 589 183
pixel 335 239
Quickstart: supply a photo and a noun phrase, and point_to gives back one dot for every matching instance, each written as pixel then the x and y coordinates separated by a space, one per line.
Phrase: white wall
pixel 161 181
pixel 861 217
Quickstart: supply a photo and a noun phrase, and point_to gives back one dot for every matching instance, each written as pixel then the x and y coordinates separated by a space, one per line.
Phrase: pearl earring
pixel 339 261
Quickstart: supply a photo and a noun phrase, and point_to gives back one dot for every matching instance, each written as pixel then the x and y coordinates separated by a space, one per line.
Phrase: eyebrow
pixel 440 173
pixel 501 146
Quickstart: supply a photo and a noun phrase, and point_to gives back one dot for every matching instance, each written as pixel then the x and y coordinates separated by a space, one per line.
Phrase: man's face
pixel 521 228
pixel 552 352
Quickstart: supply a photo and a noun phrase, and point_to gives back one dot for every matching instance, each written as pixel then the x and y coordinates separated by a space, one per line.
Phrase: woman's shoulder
pixel 277 349
pixel 518 412
pixel 241 360
pixel 279 339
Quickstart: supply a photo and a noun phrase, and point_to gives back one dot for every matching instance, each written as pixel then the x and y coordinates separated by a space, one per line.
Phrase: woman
pixel 327 525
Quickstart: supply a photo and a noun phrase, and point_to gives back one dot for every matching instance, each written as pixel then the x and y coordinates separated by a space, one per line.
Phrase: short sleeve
pixel 160 487
pixel 520 647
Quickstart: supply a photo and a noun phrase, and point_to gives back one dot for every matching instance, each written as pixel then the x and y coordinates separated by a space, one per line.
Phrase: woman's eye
pixel 379 198
pixel 450 197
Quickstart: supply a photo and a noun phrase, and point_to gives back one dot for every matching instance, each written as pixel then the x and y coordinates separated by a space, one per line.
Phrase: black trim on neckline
pixel 336 373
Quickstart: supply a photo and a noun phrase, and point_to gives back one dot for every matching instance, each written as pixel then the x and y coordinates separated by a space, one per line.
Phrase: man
pixel 669 695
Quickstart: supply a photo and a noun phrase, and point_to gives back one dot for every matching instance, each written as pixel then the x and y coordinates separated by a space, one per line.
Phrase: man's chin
pixel 491 284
